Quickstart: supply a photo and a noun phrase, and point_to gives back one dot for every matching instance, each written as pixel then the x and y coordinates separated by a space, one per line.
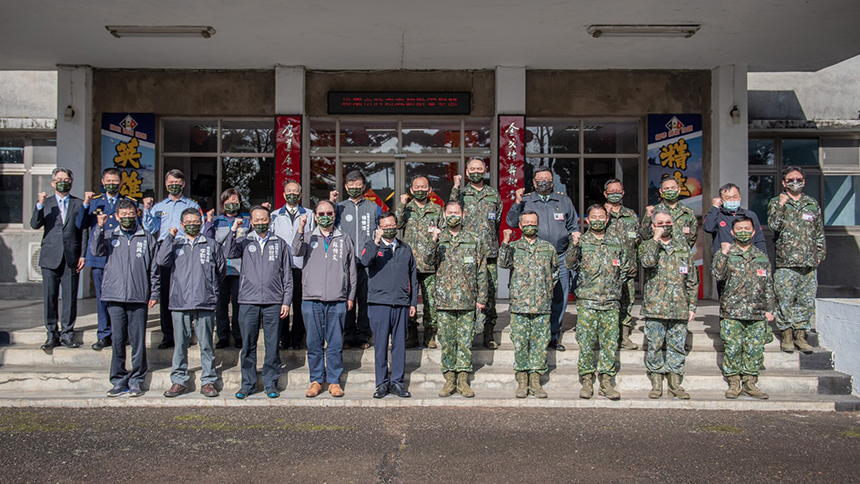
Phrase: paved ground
pixel 421 445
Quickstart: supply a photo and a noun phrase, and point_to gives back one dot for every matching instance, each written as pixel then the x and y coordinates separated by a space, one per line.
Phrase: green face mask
pixel 597 225
pixel 795 186
pixel 192 229
pixel 614 197
pixel 325 221
pixel 261 229
pixel 63 186
pixel 530 230
pixel 354 192
pixel 670 195
pixel 476 177
pixel 389 233
pixel 667 230
pixel 419 195
pixel 111 188
pixel 231 207
pixel 174 189
pixel 743 236
pixel 292 198
pixel 127 223
pixel 452 220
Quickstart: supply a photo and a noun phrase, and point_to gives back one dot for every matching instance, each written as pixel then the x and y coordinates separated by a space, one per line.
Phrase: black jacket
pixel 718 223
pixel 393 277
pixel 60 240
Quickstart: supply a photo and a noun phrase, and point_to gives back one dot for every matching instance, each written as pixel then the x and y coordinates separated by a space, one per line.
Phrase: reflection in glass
pixel 247 136
pixel 439 174
pixel 44 151
pixel 476 136
pixel 843 205
pixel 322 179
pixel 432 137
pixel 380 180
pixel 761 190
pixel 611 137
pixel 11 199
pixel 597 173
pixel 323 136
pixel 552 137
pixel 252 177
pixel 11 150
pixel 761 152
pixel 565 173
pixel 800 152
pixel 361 137
pixel 190 136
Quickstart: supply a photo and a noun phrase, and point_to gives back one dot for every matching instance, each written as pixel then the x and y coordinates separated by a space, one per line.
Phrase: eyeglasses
pixel 615 193
pixel 789 180
pixel 388 228
pixel 321 214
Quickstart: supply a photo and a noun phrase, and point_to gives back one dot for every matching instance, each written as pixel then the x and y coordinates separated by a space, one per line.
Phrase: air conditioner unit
pixel 34 271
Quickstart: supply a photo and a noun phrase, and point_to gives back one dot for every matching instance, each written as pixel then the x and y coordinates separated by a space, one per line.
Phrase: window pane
pixel 360 137
pixel 440 175
pixel 190 136
pixel 842 206
pixel 611 137
pixel 761 190
pixel 322 179
pixel 813 187
pixel 761 152
pixel 45 152
pixel 552 137
pixel 844 152
pixel 477 136
pixel 323 136
pixel 11 150
pixel 800 152
pixel 380 180
pixel 200 181
pixel 630 178
pixel 439 137
pixel 11 199
pixel 565 173
pixel 253 177
pixel 247 136
pixel 597 172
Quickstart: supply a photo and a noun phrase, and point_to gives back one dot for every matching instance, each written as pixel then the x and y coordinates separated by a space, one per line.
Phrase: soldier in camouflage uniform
pixel 534 272
pixel 603 268
pixel 686 227
pixel 669 303
pixel 416 217
pixel 746 302
pixel 460 261
pixel 483 213
pixel 624 226
pixel 798 230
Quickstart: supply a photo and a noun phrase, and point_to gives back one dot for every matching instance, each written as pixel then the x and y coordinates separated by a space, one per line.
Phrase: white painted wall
pixel 838 325
pixel 28 94
pixel 729 140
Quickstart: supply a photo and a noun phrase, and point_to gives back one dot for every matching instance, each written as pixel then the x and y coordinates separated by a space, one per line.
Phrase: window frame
pixel 27 170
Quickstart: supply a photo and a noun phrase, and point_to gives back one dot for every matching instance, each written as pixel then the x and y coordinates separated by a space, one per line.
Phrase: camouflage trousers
pixel 530 336
pixel 488 315
pixel 674 333
pixel 628 297
pixel 427 283
pixel 455 335
pixel 597 326
pixel 795 290
pixel 744 342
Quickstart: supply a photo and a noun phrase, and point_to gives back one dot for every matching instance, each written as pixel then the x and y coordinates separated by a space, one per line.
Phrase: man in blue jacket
pixel 391 301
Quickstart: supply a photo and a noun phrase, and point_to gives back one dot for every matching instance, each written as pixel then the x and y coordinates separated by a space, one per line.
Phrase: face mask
pixel 231 207
pixel 543 186
pixel 292 198
pixel 667 230
pixel 111 188
pixel 743 236
pixel 389 233
pixel 325 221
pixel 174 189
pixel 354 192
pixel 795 186
pixel 732 205
pixel 597 225
pixel 192 229
pixel 670 195
pixel 63 186
pixel 261 229
pixel 452 220
pixel 419 195
pixel 476 177
pixel 530 230
pixel 127 223
pixel 614 197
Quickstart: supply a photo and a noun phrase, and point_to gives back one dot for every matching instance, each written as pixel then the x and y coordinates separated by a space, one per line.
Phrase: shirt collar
pixel 61 199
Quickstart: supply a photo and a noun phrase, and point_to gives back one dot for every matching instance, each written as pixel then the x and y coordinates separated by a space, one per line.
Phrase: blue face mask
pixel 732 205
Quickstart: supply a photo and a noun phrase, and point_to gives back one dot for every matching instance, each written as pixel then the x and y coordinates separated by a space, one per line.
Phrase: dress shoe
pixel 222 343
pixel 238 344
pixel 102 344
pixel 381 391
pixel 70 343
pixel 134 392
pixel 313 390
pixel 165 344
pixel 364 345
pixel 117 391
pixel 348 344
pixel 284 347
pixel 209 390
pixel 175 390
pixel 299 346
pixel 51 343
pixel 335 390
pixel 398 390
pixel 555 345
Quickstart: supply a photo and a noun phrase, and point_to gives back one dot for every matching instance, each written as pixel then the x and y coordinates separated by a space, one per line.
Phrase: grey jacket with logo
pixel 329 274
pixel 267 276
pixel 556 217
pixel 198 269
pixel 131 274
pixel 357 221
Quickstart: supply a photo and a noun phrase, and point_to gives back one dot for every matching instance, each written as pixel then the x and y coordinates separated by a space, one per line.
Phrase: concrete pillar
pixel 729 139
pixel 289 90
pixel 75 137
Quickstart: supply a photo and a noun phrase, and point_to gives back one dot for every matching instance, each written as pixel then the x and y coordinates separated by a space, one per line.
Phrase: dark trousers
pixel 129 322
pixel 104 319
pixel 228 295
pixel 164 303
pixel 251 317
pixel 357 326
pixel 389 321
pixel 52 279
pixel 296 335
pixel 325 339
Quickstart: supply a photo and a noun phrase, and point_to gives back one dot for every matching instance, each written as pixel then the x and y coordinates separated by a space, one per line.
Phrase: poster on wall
pixel 128 144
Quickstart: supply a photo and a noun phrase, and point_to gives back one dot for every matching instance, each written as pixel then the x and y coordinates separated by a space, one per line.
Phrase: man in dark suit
pixel 60 259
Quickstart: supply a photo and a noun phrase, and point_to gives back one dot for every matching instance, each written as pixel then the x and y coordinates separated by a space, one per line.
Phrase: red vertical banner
pixel 288 154
pixel 512 157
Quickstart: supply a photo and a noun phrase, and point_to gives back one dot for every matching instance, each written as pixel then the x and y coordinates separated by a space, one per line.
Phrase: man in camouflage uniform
pixel 747 300
pixel 624 226
pixel 603 268
pixel 534 272
pixel 461 287
pixel 416 217
pixel 669 303
pixel 798 230
pixel 482 205
pixel 686 227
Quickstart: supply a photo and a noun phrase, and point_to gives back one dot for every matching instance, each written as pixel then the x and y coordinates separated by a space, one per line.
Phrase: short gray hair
pixel 64 170
pixel 660 212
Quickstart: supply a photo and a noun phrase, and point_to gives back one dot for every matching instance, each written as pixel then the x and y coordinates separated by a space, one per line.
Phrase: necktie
pixel 112 202
pixel 63 209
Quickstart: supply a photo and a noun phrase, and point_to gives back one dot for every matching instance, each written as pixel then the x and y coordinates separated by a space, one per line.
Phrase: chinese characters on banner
pixel 512 155
pixel 128 144
pixel 288 154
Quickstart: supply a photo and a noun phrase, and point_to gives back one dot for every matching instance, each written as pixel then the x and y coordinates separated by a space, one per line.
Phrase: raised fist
pixel 717 202
pixel 783 198
pixel 658 233
pixel 332 196
pixel 506 235
pixel 237 223
pixel 101 219
pixel 574 237
pixel 210 215
pixel 725 246
pixel 267 206
pixel 435 231
pixel 404 199
pixel 457 180
pixel 147 203
pixel 519 194
pixel 649 210
pixel 42 197
pixel 173 231
pixel 303 221
pixel 88 197
pixel 377 236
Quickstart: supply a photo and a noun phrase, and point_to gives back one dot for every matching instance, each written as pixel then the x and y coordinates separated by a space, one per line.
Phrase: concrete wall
pixel 839 329
pixel 28 94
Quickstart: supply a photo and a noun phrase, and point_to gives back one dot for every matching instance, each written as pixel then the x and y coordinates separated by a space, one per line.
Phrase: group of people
pixel 339 276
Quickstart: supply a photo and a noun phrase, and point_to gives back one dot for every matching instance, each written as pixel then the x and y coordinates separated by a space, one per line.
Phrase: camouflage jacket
pixel 671 280
pixel 624 226
pixel 748 291
pixel 483 214
pixel 416 223
pixel 602 266
pixel 534 272
pixel 684 219
pixel 461 271
pixel 798 232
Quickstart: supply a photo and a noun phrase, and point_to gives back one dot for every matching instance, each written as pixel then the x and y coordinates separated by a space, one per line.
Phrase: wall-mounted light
pixel 685 31
pixel 69 113
pixel 159 31
pixel 736 115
